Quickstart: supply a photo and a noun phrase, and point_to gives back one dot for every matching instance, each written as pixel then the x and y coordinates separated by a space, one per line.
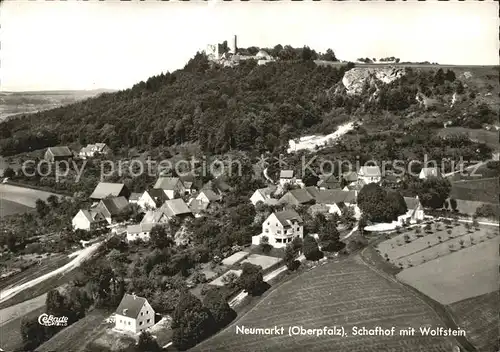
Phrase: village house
pixel 328 182
pixel 197 207
pixel 92 150
pixel 333 200
pixel 134 197
pixel 88 220
pixel 427 172
pixel 208 196
pixel 152 199
pixel 281 228
pixel 139 231
pixel 134 314
pixel 297 197
pixel 286 177
pixel 218 185
pixel 369 174
pixel 350 178
pixel 172 186
pixel 415 212
pixel 113 209
pixel 264 195
pixel 53 154
pixel 176 208
pixel 107 189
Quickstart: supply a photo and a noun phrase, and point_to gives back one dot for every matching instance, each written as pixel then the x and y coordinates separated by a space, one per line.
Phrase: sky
pixel 89 45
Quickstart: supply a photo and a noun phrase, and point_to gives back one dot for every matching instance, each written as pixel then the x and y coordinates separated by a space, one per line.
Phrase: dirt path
pixel 82 256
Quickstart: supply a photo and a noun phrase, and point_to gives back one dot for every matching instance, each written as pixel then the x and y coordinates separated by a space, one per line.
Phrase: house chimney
pixel 125 311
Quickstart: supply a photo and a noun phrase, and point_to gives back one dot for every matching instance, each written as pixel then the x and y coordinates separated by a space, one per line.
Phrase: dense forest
pixel 249 107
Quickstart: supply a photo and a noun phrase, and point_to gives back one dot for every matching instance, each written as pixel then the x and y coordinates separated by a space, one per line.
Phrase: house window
pixel 142 314
pixel 140 323
pixel 148 321
pixel 267 230
pixel 128 323
pixel 278 240
pixel 279 231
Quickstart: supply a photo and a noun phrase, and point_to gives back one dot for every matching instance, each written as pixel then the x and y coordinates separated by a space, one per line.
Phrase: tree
pixel 42 208
pixel 379 205
pixel 251 279
pixel 32 333
pixel 453 204
pixel 311 249
pixel 487 211
pixel 290 256
pixel 9 172
pixel 475 224
pixel 56 303
pixel 159 237
pixel 310 179
pixel 147 343
pixel 53 201
pixel 434 191
pixel 217 304
pixel 264 244
pixel 330 238
pixel 191 322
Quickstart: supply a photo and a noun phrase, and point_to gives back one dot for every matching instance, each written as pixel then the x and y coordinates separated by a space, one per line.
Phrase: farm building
pixel 176 208
pixel 208 196
pixel 297 197
pixel 112 208
pixel 139 231
pixel 92 150
pixel 328 182
pixel 57 154
pixel 107 189
pixel 172 186
pixel 264 195
pixel 415 211
pixel 152 199
pixel 88 220
pixel 134 314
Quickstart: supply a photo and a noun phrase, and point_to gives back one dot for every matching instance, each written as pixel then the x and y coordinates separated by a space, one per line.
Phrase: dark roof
pixel 167 183
pixel 350 176
pixel 286 216
pixel 115 205
pixel 60 151
pixel 158 196
pixel 105 189
pixel 335 196
pixel 197 206
pixel 300 195
pixel 312 190
pixel 92 215
pixel 211 195
pixel 328 181
pixel 130 306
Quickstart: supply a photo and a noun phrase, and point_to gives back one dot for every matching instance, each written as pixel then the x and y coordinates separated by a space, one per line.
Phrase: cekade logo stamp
pixel 50 320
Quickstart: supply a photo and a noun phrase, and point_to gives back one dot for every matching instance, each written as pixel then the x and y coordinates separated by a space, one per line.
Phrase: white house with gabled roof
pixel 281 228
pixel 134 314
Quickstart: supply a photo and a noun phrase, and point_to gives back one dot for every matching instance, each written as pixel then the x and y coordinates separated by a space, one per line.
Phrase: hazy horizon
pixel 113 45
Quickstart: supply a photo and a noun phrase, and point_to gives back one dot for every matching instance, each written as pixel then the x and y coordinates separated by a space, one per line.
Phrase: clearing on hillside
pixel 347 293
pixel 469 272
pixel 479 317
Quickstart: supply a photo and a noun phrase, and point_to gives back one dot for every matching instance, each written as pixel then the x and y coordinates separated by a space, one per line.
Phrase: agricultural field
pixel 490 138
pixel 8 207
pixel 481 190
pixel 346 293
pixel 22 195
pixel 10 332
pixel 469 272
pixel 479 317
pixel 75 337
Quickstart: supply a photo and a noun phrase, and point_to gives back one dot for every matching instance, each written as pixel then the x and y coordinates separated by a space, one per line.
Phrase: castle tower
pixel 232 46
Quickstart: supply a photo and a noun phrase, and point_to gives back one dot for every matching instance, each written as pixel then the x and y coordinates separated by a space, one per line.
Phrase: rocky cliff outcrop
pixel 355 79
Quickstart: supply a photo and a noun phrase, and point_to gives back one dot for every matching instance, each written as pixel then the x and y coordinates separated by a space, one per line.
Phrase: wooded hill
pixel 249 107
